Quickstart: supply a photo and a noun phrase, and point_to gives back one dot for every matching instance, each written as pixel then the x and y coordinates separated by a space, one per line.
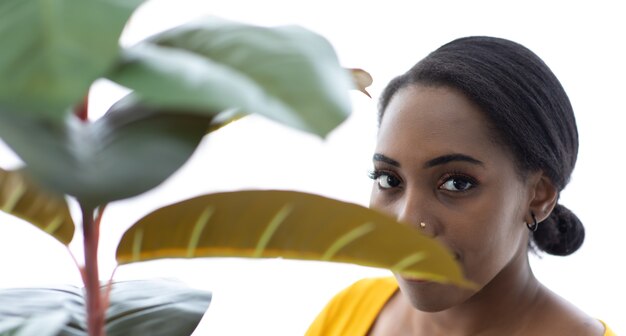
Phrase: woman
pixel 475 143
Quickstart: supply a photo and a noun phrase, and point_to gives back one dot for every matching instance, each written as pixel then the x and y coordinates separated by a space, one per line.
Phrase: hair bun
pixel 561 233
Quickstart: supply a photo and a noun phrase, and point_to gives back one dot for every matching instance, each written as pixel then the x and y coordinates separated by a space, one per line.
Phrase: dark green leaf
pixel 156 308
pixel 52 50
pixel 130 150
pixel 145 307
pixel 23 310
pixel 48 324
pixel 288 74
pixel 48 211
pixel 287 224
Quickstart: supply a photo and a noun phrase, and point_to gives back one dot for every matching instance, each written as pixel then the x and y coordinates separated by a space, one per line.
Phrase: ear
pixel 543 197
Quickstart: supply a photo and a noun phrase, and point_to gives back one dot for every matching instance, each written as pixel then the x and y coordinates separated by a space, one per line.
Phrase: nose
pixel 413 210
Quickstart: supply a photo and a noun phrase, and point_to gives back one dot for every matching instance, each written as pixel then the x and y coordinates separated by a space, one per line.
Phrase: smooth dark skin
pixel 437 163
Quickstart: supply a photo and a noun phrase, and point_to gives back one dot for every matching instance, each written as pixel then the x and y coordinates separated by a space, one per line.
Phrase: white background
pixel 582 43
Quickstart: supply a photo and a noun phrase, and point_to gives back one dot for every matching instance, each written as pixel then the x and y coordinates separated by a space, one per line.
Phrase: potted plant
pixel 185 83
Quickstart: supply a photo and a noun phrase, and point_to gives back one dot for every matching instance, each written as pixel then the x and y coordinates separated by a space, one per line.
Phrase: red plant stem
pixel 107 294
pixel 82 110
pixel 95 311
pixel 81 269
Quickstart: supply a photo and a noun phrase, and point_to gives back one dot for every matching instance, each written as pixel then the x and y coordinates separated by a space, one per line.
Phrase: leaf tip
pixel 362 80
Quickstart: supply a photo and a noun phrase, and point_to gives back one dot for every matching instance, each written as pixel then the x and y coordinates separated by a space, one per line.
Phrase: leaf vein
pixel 14 197
pixel 137 241
pixel 348 238
pixel 54 224
pixel 271 229
pixel 408 261
pixel 198 227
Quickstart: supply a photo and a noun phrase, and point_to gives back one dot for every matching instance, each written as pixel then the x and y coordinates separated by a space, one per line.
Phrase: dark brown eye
pixel 386 181
pixel 457 183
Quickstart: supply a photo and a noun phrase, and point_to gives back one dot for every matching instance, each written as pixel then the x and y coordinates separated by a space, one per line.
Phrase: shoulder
pixel 566 319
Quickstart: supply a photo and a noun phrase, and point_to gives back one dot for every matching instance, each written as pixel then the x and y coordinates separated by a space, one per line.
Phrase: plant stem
pixel 95 310
pixel 81 111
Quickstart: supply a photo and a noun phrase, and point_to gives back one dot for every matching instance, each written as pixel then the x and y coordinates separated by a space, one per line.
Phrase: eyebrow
pixel 382 158
pixel 434 162
pixel 452 158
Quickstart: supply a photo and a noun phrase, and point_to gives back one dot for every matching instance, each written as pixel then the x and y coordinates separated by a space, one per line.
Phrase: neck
pixel 500 305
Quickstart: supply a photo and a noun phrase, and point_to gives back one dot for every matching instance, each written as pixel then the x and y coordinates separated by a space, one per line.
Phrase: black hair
pixel 527 107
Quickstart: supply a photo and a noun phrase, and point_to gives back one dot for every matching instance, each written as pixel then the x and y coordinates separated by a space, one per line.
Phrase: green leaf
pixel 294 225
pixel 54 49
pixel 146 307
pixel 224 118
pixel 130 150
pixel 20 197
pixel 156 308
pixel 288 74
pixel 26 311
pixel 49 324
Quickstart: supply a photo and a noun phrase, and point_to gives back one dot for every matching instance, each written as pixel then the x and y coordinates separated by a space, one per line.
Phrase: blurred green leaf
pixel 217 120
pixel 54 49
pixel 20 197
pixel 49 324
pixel 225 118
pixel 288 74
pixel 155 307
pixel 24 311
pixel 130 150
pixel 294 225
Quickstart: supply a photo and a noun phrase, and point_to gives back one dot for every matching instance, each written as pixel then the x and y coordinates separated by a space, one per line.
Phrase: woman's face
pixel 436 162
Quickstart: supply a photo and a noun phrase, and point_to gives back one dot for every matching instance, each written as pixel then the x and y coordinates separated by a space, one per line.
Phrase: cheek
pixel 492 239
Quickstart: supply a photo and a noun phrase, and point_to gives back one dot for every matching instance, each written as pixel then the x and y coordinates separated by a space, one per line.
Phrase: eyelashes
pixel 374 174
pixel 385 179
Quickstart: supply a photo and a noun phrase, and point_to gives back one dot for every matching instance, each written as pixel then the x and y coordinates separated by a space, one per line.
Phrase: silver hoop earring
pixel 532 227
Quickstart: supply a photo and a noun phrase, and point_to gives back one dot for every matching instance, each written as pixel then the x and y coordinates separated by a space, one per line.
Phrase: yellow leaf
pixel 287 224
pixel 20 197
pixel 362 80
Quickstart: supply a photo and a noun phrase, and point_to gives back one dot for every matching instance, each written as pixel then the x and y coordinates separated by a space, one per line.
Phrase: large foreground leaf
pixel 21 197
pixel 130 150
pixel 262 224
pixel 288 74
pixel 145 307
pixel 52 50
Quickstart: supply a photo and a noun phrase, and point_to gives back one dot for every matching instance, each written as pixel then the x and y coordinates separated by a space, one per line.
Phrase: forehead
pixel 435 120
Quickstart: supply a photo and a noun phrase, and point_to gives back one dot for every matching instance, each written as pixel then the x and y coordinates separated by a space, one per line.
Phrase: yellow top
pixel 353 310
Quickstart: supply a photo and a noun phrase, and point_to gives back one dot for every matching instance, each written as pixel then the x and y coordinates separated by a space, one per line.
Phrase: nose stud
pixel 422 225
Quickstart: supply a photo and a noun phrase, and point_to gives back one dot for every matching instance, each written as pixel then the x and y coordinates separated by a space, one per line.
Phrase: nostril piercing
pixel 422 225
